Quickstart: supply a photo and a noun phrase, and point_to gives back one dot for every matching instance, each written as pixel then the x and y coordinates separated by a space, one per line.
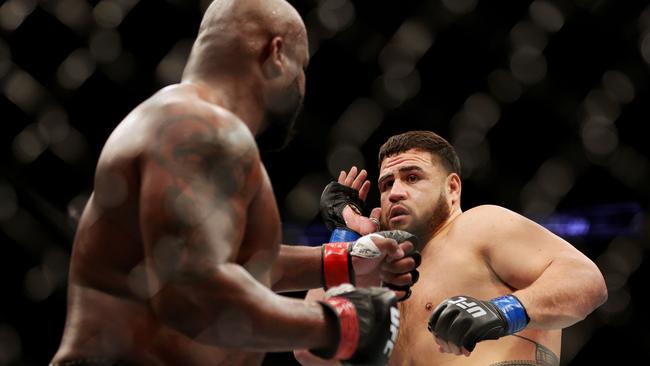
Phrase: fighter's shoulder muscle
pixel 192 133
pixel 489 213
pixel 489 224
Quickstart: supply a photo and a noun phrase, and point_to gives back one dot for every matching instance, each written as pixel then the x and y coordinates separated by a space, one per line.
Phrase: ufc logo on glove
pixel 471 307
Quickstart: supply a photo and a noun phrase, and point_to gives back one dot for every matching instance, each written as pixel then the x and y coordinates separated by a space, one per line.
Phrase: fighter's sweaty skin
pixel 130 255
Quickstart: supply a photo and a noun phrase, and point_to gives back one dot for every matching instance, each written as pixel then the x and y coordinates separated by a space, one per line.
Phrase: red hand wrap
pixel 349 337
pixel 337 265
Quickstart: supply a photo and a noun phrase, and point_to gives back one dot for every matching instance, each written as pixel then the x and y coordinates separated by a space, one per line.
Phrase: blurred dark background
pixel 547 103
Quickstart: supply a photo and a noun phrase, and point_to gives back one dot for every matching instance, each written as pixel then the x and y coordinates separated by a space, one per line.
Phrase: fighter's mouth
pixel 396 211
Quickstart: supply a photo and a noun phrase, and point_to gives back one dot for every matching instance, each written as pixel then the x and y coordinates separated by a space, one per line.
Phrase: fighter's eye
pixel 412 178
pixel 386 185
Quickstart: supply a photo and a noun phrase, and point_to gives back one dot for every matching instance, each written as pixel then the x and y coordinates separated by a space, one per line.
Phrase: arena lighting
pixel 597 222
pixel 605 221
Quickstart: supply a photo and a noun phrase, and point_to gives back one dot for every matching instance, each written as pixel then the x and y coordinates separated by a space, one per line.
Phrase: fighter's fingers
pixel 454 349
pixel 405 247
pixel 358 181
pixel 443 346
pixel 403 279
pixel 350 177
pixel 363 191
pixel 374 217
pixel 402 294
pixel 375 213
pixel 438 341
pixel 465 352
pixel 402 265
pixel 408 248
pixel 388 246
pixel 342 176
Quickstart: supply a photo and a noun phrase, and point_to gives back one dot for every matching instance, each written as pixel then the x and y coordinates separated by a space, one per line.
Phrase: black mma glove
pixel 368 324
pixel 402 236
pixel 333 200
pixel 464 321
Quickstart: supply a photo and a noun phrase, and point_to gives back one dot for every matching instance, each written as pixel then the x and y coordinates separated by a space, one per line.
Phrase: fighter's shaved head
pixel 234 33
pixel 251 55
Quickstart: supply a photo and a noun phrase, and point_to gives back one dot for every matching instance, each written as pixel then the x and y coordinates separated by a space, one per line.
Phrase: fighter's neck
pixel 443 227
pixel 236 98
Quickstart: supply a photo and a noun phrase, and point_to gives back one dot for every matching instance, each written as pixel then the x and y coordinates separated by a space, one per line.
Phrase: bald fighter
pixel 495 288
pixel 177 253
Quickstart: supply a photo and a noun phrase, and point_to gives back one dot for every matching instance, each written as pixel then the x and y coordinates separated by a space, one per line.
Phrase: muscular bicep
pixel 519 250
pixel 195 186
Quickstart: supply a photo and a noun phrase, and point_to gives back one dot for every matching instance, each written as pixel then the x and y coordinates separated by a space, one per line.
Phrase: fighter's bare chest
pixel 444 274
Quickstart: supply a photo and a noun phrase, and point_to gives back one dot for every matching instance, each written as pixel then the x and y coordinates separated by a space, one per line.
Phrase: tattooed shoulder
pixel 193 147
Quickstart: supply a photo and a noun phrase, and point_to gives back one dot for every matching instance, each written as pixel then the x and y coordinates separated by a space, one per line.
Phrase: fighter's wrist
pixel 336 264
pixel 343 234
pixel 513 312
pixel 341 317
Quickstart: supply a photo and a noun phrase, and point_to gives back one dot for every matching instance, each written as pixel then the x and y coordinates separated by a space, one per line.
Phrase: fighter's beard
pixel 439 215
pixel 433 221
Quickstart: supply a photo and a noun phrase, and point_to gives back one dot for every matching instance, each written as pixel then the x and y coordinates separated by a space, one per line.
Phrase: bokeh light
pixel 545 101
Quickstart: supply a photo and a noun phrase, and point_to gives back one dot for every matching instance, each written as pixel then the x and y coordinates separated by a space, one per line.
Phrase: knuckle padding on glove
pixel 444 322
pixel 415 276
pixel 473 335
pixel 378 320
pixel 399 236
pixel 458 331
pixel 406 289
pixel 397 287
pixel 409 292
pixel 435 315
pixel 464 321
pixel 333 200
pixel 417 257
pixel 372 344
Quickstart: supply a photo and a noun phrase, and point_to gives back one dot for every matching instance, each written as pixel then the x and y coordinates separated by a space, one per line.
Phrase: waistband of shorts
pixel 92 361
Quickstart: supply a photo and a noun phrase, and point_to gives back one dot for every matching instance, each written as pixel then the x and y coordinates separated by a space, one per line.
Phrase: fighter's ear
pixel 454 186
pixel 273 58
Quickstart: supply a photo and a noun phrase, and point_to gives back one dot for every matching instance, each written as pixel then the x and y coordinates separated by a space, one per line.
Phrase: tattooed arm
pixel 196 184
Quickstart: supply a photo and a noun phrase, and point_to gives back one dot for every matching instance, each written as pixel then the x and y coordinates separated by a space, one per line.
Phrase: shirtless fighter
pixel 178 249
pixel 495 288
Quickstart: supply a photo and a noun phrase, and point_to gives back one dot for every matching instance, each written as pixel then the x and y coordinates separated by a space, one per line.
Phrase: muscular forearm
pixel 231 309
pixel 566 292
pixel 371 261
pixel 297 268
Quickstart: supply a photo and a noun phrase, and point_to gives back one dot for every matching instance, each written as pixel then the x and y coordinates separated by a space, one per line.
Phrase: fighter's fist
pixel 387 254
pixel 368 323
pixel 459 322
pixel 398 271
